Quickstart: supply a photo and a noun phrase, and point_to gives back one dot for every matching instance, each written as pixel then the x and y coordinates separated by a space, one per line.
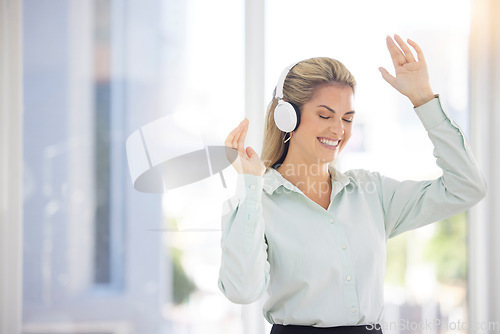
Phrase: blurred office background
pixel 83 252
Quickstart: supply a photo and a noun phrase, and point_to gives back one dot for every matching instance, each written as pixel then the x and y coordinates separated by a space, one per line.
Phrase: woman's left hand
pixel 412 78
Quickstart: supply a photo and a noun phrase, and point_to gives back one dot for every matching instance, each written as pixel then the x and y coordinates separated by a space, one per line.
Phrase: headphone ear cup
pixel 285 116
pixel 297 113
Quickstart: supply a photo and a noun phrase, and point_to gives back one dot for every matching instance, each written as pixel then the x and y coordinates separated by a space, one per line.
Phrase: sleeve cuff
pixel 431 113
pixel 249 186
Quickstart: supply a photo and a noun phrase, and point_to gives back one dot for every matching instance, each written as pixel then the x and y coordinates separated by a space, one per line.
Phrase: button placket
pixel 347 269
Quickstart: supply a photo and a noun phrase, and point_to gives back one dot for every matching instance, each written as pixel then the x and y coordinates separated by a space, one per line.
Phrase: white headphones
pixel 286 115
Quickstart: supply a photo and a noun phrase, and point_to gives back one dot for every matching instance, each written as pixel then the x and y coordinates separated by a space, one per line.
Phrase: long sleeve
pixel 244 271
pixel 411 204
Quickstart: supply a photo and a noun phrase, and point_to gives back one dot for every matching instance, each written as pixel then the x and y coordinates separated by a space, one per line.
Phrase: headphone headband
pixel 286 115
pixel 281 81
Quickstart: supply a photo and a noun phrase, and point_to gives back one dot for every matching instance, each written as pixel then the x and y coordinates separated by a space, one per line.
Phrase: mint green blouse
pixel 326 268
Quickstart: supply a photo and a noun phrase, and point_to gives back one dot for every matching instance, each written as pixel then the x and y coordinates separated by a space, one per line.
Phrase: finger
pixel 233 136
pixel 230 137
pixel 397 55
pixel 387 76
pixel 241 140
pixel 251 152
pixel 229 140
pixel 231 152
pixel 234 144
pixel 237 144
pixel 420 53
pixel 405 48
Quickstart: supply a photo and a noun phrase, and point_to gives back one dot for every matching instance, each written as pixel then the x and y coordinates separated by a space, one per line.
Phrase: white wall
pixel 11 111
pixel 484 226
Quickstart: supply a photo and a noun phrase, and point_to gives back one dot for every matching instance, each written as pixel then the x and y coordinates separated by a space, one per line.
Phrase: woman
pixel 314 238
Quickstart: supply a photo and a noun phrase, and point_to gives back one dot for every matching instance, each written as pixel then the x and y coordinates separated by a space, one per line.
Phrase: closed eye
pixel 349 120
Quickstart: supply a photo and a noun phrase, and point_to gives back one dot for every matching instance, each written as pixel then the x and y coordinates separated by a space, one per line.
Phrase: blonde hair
pixel 299 87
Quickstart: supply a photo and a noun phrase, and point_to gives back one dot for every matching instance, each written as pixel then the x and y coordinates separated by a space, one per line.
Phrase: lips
pixel 329 143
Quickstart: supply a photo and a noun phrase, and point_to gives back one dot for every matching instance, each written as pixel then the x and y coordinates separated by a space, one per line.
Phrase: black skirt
pixel 297 329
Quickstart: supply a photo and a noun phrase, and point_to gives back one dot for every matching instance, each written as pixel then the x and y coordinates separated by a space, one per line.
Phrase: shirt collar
pixel 273 180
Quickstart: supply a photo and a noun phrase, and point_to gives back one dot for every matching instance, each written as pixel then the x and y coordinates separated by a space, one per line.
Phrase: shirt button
pixel 353 309
pixel 331 220
pixel 252 186
pixel 348 277
pixel 344 246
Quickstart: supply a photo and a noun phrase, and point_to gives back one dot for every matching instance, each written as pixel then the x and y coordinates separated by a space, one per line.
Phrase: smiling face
pixel 325 124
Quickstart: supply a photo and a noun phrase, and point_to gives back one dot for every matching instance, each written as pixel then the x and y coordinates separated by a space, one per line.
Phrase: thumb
pixel 387 76
pixel 251 153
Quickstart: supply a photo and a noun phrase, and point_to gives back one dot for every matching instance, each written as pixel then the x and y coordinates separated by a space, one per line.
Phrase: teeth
pixel 329 142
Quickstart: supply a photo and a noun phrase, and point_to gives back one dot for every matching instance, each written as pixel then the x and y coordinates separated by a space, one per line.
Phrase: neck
pixel 308 177
pixel 301 170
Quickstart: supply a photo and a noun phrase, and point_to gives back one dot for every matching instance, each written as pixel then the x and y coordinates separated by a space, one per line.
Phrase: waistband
pixel 299 329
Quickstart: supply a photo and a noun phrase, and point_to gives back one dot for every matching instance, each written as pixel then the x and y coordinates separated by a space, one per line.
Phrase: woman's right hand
pixel 247 162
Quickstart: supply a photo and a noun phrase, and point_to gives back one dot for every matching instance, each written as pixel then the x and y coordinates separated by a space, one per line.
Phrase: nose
pixel 337 126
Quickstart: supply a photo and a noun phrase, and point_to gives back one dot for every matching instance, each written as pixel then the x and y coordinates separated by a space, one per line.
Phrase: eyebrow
pixel 333 111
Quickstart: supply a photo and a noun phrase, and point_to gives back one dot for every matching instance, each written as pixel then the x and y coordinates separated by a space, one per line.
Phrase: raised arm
pixel 411 204
pixel 244 271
